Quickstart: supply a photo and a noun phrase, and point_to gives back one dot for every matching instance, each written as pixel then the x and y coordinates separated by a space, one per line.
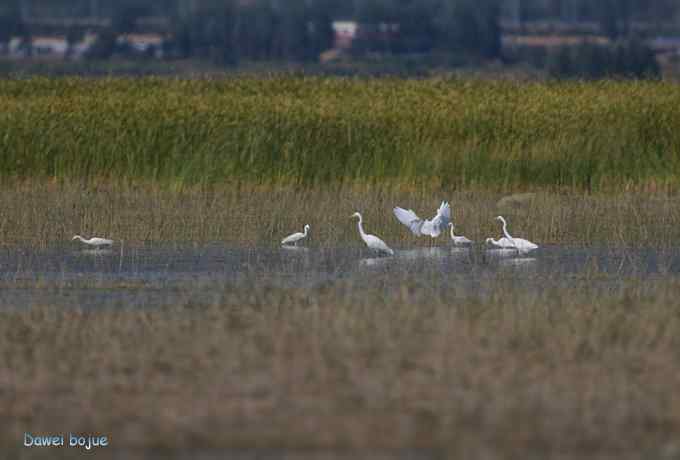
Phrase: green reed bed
pixel 38 213
pixel 299 130
pixel 555 373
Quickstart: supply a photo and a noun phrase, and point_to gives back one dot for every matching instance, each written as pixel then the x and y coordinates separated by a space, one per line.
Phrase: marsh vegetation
pixel 357 366
pixel 38 213
pixel 169 342
pixel 197 333
pixel 305 131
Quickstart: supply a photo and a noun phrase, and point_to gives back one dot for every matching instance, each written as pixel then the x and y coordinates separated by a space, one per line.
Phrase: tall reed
pixel 41 213
pixel 305 131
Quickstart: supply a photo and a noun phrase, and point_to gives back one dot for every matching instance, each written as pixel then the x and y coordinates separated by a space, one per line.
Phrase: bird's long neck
pixel 81 238
pixel 453 236
pixel 305 232
pixel 361 227
pixel 505 231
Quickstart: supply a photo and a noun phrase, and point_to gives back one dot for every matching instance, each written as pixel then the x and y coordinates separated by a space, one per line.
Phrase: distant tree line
pixel 302 29
pixel 294 30
pixel 230 31
pixel 615 17
pixel 628 58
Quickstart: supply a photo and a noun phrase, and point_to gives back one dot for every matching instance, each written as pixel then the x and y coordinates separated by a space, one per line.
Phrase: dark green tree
pixel 209 34
pixel 615 17
pixel 321 34
pixel 417 31
pixel 126 15
pixel 472 27
pixel 254 29
pixel 104 46
pixel 292 31
pixel 10 22
pixel 73 36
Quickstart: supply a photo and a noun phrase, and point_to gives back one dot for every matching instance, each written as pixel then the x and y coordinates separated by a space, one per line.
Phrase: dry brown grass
pixel 560 373
pixel 36 213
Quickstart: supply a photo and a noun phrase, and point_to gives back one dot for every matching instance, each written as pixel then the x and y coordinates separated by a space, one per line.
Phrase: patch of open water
pixel 152 276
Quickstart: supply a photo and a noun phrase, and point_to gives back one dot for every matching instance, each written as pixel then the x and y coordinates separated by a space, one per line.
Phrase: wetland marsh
pixel 198 336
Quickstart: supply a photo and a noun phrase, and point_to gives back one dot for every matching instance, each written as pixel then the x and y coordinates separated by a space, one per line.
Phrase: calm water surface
pixel 152 276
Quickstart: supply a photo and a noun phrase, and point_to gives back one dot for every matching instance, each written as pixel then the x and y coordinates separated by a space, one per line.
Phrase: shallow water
pixel 153 276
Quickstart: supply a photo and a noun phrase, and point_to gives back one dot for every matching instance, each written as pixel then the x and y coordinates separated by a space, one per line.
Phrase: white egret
pixel 295 237
pixel 517 243
pixel 420 226
pixel 458 240
pixel 372 241
pixel 502 243
pixel 95 241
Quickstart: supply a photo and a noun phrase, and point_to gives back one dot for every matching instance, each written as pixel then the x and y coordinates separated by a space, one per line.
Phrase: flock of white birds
pixel 419 227
pixel 424 227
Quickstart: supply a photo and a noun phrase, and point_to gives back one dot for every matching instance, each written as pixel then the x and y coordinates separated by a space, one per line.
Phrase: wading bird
pixel 420 227
pixel 372 241
pixel 510 242
pixel 95 241
pixel 502 243
pixel 295 237
pixel 458 240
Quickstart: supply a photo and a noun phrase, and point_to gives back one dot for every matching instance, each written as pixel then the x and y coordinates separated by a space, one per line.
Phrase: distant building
pixel 345 33
pixel 143 44
pixel 80 48
pixel 49 46
pixel 665 45
pixel 17 48
pixel 551 41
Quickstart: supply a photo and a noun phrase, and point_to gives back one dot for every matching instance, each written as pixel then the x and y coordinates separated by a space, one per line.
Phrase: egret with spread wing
pixel 420 227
